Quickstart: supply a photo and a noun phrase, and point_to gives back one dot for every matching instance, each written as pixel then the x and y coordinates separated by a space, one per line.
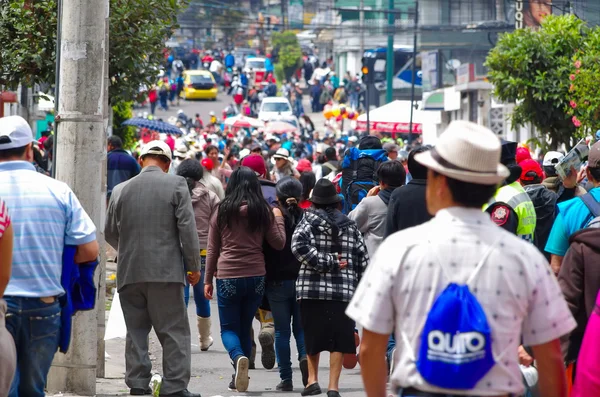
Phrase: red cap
pixel 256 163
pixel 304 165
pixel 530 168
pixel 207 163
pixel 522 154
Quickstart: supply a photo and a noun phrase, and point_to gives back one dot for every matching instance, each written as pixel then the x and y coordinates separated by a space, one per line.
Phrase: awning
pixel 393 117
pixel 433 100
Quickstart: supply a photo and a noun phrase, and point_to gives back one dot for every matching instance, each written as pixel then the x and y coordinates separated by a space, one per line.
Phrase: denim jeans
pixel 202 304
pixel 238 300
pixel 286 311
pixel 35 327
pixel 390 346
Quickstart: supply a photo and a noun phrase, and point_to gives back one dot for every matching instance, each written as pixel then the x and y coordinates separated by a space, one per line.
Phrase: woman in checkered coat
pixel 333 257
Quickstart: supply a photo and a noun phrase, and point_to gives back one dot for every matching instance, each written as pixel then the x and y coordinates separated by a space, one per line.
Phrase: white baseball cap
pixel 158 148
pixel 14 132
pixel 552 158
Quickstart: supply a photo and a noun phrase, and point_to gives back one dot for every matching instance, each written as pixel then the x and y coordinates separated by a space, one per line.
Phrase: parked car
pixel 275 107
pixel 199 84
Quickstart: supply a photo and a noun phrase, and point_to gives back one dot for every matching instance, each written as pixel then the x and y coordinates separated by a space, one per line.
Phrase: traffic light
pixel 367 70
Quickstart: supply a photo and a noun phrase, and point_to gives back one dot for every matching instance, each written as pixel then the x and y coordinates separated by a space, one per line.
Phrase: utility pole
pixel 414 73
pixel 389 94
pixel 361 25
pixel 80 162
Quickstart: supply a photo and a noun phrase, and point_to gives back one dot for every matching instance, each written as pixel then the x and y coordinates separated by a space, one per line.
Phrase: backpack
pixel 359 174
pixel 456 342
pixel 594 207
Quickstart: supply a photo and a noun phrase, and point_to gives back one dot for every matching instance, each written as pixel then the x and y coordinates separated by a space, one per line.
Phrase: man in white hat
pixel 46 216
pixel 151 223
pixel 459 292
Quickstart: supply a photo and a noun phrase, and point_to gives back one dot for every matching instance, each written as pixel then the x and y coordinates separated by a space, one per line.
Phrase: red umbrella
pixel 240 121
pixel 280 127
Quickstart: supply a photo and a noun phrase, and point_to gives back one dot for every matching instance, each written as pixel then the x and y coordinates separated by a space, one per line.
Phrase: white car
pixel 275 107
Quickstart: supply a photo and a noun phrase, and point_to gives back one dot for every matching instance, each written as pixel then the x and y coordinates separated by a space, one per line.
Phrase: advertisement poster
pixel 527 13
pixel 296 14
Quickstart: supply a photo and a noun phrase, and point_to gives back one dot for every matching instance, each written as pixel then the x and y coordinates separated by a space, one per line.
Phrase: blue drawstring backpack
pixel 456 344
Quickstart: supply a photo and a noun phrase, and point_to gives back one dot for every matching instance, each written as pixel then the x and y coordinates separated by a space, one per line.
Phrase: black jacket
pixel 282 265
pixel 407 207
pixel 544 201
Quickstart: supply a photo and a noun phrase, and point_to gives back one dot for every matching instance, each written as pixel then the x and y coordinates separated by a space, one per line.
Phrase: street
pixel 212 370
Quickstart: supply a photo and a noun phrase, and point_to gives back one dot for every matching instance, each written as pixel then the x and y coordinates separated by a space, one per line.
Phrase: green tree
pixel 531 68
pixel 123 111
pixel 138 30
pixel 289 53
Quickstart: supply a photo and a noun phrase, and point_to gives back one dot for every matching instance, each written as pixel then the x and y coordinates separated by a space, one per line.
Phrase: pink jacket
pixel 587 378
pixel 205 203
pixel 237 253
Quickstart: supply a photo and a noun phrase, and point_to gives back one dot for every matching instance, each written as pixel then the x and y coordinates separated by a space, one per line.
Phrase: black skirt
pixel 326 327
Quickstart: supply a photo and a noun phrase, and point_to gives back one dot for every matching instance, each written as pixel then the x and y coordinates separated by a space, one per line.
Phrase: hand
pixel 277 212
pixel 582 174
pixel 208 291
pixel 571 180
pixel 193 278
pixel 374 191
pixel 524 357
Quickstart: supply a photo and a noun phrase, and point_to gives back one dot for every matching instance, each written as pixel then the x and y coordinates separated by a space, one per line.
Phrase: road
pixel 212 370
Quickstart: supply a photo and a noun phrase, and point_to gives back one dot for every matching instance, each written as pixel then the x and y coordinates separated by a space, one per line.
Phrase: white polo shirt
pixel 515 287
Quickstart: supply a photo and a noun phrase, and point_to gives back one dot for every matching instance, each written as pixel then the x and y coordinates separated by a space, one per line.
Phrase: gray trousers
pixel 158 305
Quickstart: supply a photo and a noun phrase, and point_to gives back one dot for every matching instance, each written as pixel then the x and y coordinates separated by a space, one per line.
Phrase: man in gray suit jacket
pixel 151 223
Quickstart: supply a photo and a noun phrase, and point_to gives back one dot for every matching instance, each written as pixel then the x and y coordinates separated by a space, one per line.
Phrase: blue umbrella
pixel 154 125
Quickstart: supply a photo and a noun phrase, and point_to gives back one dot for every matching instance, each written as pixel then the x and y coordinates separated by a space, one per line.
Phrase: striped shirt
pixel 46 216
pixel 4 218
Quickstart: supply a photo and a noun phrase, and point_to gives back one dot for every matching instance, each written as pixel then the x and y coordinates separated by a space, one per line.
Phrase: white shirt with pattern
pixel 515 287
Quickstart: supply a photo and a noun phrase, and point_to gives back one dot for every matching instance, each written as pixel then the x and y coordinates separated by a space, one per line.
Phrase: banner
pixel 530 13
pixel 296 14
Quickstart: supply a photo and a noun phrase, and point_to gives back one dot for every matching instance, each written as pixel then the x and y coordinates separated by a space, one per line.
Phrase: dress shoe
pixel 182 393
pixel 134 391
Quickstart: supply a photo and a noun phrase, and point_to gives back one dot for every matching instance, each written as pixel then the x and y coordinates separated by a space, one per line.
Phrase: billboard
pixel 527 13
pixel 296 14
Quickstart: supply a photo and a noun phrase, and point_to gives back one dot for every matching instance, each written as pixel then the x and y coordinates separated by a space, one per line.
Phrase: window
pixel 200 79
pixel 255 64
pixel 467 11
pixel 276 107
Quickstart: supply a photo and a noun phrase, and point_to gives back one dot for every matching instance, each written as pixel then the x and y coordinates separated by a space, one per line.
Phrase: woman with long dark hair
pixel 238 229
pixel 333 258
pixel 308 180
pixel 282 272
pixel 205 203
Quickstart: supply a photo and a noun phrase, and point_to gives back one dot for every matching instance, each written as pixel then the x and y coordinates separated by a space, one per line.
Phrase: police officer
pixel 511 208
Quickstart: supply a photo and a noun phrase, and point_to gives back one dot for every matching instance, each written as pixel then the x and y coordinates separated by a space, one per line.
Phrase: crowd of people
pixel 431 266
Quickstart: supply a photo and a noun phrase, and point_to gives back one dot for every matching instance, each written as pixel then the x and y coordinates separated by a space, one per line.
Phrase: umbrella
pixel 154 125
pixel 240 121
pixel 280 127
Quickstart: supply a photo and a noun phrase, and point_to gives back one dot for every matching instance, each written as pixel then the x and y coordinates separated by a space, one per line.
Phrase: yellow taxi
pixel 199 84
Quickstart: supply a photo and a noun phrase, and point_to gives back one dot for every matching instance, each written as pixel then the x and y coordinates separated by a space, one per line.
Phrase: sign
pixel 465 73
pixel 429 62
pixel 296 14
pixel 395 128
pixel 531 13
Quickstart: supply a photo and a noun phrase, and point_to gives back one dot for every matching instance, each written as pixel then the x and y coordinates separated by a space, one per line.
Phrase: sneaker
pixel 241 374
pixel 232 384
pixel 311 390
pixel 304 370
pixel 285 385
pixel 267 356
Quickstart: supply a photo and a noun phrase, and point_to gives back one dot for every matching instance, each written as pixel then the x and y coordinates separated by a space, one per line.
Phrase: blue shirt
pixel 121 167
pixel 572 216
pixel 46 216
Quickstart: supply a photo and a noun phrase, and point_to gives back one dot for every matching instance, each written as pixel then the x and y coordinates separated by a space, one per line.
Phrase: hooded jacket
pixel 205 203
pixel 238 252
pixel 579 279
pixel 554 184
pixel 318 242
pixel 544 201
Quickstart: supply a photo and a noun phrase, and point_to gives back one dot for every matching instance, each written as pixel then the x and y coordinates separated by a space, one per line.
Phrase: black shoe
pixel 135 391
pixel 333 393
pixel 241 373
pixel 251 365
pixel 285 385
pixel 232 383
pixel 304 370
pixel 182 393
pixel 311 390
pixel 267 355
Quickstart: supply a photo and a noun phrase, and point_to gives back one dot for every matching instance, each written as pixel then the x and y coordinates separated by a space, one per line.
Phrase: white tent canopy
pixel 393 117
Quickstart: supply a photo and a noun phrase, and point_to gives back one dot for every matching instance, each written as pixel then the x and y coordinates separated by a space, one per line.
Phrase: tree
pixel 289 53
pixel 532 67
pixel 138 30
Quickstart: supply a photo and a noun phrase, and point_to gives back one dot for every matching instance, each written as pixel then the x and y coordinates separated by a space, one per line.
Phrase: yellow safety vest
pixel 517 198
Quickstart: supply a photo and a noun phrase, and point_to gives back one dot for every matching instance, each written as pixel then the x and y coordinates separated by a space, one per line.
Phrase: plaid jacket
pixel 320 276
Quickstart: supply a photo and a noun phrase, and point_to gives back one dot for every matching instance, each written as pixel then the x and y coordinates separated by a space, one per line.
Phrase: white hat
pixel 467 152
pixel 211 113
pixel 283 153
pixel 14 132
pixel 552 158
pixel 353 138
pixel 158 148
pixel 272 137
pixel 244 153
pixel 180 152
